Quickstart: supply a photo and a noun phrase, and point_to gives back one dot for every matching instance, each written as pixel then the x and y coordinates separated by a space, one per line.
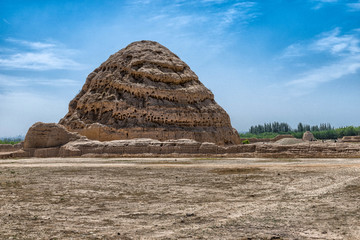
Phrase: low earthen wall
pixel 10 147
pixel 351 139
pixel 190 149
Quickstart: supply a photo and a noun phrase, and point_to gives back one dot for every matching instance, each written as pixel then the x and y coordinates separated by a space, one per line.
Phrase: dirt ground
pixel 179 198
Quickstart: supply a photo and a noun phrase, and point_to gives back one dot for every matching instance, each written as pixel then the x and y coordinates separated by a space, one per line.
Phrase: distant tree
pixel 275 127
pixel 252 129
pixel 268 127
pixel 325 126
pixel 321 131
pixel 350 131
pixel 300 127
pixel 315 128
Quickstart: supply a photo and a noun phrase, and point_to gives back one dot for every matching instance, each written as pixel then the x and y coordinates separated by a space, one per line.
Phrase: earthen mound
pixel 146 91
pixel 289 141
pixel 308 136
pixel 45 135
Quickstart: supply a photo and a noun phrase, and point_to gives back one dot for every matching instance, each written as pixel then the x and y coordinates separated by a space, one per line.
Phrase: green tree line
pixel 321 131
pixel 12 140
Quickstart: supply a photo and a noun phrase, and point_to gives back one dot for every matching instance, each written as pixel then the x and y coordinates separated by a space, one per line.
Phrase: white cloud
pixel 40 56
pixel 5 21
pixel 354 6
pixel 335 43
pixel 214 1
pixel 344 49
pixel 184 20
pixel 139 2
pixel 313 78
pixel 224 16
pixel 241 12
pixel 321 3
pixel 158 17
pixel 43 60
pixel 326 1
pixel 331 42
pixel 33 45
pixel 294 50
pixel 12 82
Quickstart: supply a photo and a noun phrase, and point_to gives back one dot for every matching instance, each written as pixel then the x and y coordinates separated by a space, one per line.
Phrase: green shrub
pixel 13 140
pixel 246 141
pixel 260 135
pixel 324 131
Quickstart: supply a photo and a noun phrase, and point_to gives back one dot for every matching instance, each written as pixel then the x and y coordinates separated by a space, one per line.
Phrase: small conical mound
pixel 146 91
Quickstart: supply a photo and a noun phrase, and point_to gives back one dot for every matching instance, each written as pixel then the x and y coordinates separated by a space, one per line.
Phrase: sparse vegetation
pixel 11 140
pixel 246 141
pixel 260 135
pixel 323 131
pixel 332 133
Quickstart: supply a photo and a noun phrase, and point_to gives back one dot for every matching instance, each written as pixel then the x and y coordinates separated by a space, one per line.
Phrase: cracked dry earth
pixel 144 198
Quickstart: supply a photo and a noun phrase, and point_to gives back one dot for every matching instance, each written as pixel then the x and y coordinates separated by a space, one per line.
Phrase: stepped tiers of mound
pixel 146 91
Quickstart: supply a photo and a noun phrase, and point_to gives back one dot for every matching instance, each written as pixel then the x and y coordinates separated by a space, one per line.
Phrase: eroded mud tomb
pixel 146 91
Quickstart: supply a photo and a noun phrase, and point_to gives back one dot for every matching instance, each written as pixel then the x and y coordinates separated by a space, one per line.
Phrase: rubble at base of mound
pixel 79 146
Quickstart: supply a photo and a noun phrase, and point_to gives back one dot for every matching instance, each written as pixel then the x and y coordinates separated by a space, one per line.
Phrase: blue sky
pixel 287 61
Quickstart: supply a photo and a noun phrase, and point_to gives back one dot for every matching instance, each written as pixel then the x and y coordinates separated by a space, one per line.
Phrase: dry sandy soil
pixel 180 198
